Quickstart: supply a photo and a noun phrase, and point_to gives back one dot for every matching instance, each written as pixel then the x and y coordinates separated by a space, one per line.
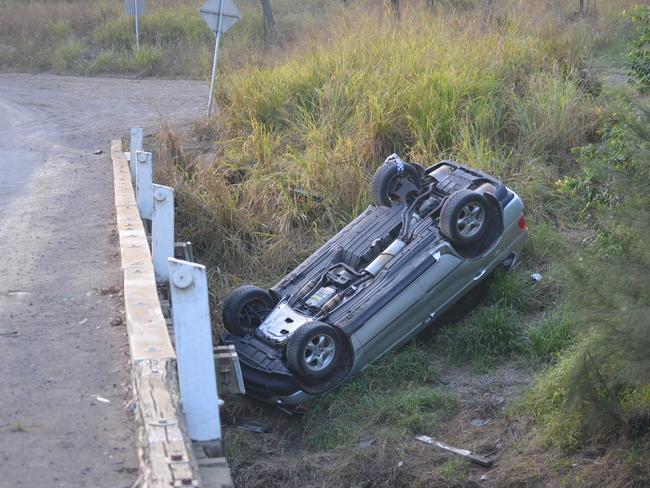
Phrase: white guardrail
pixel 188 286
pixel 151 351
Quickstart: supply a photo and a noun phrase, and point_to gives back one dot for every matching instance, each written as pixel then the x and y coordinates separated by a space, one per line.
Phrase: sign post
pixel 220 15
pixel 135 8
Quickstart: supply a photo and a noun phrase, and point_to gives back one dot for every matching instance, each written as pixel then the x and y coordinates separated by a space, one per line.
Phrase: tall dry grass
pixel 296 143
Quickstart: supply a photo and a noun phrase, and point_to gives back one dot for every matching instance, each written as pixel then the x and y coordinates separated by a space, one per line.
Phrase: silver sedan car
pixel 430 236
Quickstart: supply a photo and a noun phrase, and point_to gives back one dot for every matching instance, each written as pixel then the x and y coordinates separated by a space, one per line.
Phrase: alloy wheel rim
pixel 470 219
pixel 319 352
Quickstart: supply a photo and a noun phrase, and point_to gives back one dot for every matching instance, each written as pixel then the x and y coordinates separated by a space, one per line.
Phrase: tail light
pixel 522 223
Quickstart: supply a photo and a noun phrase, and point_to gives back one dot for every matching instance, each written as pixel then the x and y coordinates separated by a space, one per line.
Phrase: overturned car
pixel 430 236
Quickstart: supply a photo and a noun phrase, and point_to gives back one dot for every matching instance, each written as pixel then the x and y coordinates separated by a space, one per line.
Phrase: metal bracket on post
pixel 188 285
pixel 144 184
pixel 162 231
pixel 137 138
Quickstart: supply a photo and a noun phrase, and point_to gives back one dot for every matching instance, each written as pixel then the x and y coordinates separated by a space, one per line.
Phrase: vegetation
pixel 639 55
pixel 297 145
pixel 304 121
pixel 95 36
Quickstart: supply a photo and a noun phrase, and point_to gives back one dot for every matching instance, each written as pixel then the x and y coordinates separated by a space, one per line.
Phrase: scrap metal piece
pixel 482 460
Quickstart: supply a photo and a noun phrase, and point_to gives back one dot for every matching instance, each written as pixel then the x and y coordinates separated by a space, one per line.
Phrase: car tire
pixel 395 183
pixel 465 217
pixel 314 350
pixel 245 309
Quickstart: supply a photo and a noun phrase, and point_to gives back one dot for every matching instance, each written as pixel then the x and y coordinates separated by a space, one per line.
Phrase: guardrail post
pixel 137 138
pixel 162 230
pixel 144 184
pixel 193 339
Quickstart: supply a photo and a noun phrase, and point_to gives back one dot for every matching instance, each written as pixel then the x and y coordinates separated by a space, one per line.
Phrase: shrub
pixel 639 54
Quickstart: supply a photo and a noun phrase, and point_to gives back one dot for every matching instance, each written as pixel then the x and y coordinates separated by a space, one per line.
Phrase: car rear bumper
pixel 266 377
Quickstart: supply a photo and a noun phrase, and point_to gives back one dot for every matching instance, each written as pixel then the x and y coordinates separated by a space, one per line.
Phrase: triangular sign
pixel 210 13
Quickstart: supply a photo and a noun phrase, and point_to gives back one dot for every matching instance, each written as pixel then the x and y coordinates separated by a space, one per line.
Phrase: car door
pixel 402 317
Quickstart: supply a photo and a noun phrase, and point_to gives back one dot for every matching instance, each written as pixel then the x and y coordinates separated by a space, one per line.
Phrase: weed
pixel 68 56
pixel 551 337
pixel 60 30
pixel 488 333
pixel 544 243
pixel 18 426
pixel 454 471
pixel 115 34
pixel 109 62
pixel 511 291
pixel 147 60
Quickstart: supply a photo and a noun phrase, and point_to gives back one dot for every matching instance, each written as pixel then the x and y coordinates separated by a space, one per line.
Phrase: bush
pixel 639 54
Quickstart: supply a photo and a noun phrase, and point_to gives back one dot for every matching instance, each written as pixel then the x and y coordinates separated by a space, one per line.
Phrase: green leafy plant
pixel 639 53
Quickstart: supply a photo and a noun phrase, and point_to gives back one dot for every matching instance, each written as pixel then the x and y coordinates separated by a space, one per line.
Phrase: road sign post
pixel 220 15
pixel 135 8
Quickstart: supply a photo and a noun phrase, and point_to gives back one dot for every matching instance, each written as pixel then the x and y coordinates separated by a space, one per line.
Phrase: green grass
pixel 393 398
pixel 488 333
pixel 551 337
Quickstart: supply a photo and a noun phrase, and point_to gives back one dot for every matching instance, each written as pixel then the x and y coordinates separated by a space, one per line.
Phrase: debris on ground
pixel 482 460
pixel 365 444
pixel 254 426
pixel 102 399
pixel 478 422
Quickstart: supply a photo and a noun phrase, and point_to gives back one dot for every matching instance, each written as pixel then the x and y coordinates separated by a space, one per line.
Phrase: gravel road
pixel 64 373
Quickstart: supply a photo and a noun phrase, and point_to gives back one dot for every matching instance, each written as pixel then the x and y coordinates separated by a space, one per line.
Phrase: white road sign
pixel 134 7
pixel 210 13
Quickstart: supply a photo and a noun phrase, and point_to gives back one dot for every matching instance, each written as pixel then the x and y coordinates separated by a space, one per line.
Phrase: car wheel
pixel 314 350
pixel 395 183
pixel 465 217
pixel 245 309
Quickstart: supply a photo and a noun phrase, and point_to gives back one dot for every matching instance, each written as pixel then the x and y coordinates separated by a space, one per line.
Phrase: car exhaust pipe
pixel 382 260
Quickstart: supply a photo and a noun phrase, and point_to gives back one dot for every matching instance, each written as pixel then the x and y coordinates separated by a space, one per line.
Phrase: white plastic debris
pixel 536 277
pixel 102 399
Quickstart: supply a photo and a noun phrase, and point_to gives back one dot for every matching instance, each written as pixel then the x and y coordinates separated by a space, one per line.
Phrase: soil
pixel 64 375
